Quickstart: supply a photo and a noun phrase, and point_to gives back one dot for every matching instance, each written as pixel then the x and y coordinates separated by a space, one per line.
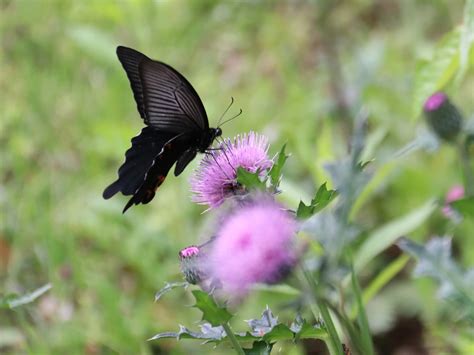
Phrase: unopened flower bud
pixel 442 116
pixel 191 258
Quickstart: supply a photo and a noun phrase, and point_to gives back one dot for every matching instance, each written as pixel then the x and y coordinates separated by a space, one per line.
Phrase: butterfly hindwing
pixel 157 173
pixel 138 159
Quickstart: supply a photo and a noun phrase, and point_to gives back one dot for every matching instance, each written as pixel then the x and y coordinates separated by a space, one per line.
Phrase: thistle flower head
pixel 216 177
pixel 442 116
pixel 253 245
pixel 191 264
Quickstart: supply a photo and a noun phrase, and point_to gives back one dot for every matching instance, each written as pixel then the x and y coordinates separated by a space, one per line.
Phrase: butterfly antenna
pixel 230 119
pixel 227 109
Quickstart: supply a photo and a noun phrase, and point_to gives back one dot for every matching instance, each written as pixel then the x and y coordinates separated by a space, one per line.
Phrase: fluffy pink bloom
pixel 253 245
pixel 455 193
pixel 216 177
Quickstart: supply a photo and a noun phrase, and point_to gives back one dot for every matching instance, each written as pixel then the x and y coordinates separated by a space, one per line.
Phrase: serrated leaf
pixel 312 332
pixel 168 287
pixel 12 301
pixel 259 348
pixel 279 332
pixel 464 206
pixel 434 260
pixel 208 333
pixel 211 312
pixel 250 180
pixel 267 328
pixel 304 211
pixel 275 172
pixel 434 74
pixel 322 199
pixel 264 324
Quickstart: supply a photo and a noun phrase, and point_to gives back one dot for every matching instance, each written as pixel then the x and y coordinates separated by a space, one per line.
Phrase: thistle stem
pixel 468 169
pixel 334 343
pixel 235 343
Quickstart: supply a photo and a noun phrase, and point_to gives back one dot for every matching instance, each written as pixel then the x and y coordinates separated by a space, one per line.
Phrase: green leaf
pixel 211 312
pixel 207 332
pixel 250 180
pixel 383 278
pixel 382 238
pixel 304 330
pixel 12 301
pixel 434 74
pixel 467 39
pixel 464 206
pixel 279 332
pixel 259 348
pixel 322 199
pixel 275 172
pixel 265 329
pixel 168 287
pixel 435 261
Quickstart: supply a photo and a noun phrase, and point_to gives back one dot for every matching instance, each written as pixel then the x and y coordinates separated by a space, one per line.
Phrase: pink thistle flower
pixel 253 245
pixel 216 177
pixel 454 194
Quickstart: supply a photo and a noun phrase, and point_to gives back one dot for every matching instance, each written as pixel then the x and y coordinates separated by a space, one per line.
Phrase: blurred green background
pixel 299 70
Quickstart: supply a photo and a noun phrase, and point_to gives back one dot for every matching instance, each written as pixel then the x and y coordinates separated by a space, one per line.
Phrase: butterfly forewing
pixel 130 60
pixel 171 103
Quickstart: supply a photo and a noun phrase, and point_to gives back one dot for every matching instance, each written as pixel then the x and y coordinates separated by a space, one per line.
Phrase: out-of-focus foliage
pixel 301 71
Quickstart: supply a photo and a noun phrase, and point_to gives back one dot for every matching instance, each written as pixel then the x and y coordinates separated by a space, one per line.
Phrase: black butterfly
pixel 176 127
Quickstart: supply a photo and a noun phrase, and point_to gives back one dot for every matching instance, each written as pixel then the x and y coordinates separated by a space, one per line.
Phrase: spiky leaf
pixel 12 300
pixel 259 348
pixel 322 198
pixel 168 287
pixel 275 172
pixel 250 180
pixel 211 312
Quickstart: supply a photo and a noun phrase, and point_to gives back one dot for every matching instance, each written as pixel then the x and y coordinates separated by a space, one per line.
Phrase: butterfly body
pixel 176 129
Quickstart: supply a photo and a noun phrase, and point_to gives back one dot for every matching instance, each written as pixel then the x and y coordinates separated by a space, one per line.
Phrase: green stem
pixel 235 343
pixel 334 343
pixel 327 338
pixel 350 330
pixel 362 317
pixel 387 274
pixel 468 169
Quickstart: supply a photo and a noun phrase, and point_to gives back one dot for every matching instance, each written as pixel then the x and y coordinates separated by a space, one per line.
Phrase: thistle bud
pixel 442 116
pixel 191 268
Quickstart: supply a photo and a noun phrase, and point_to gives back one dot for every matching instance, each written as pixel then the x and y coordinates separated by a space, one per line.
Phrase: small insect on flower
pixel 216 177
pixel 255 244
